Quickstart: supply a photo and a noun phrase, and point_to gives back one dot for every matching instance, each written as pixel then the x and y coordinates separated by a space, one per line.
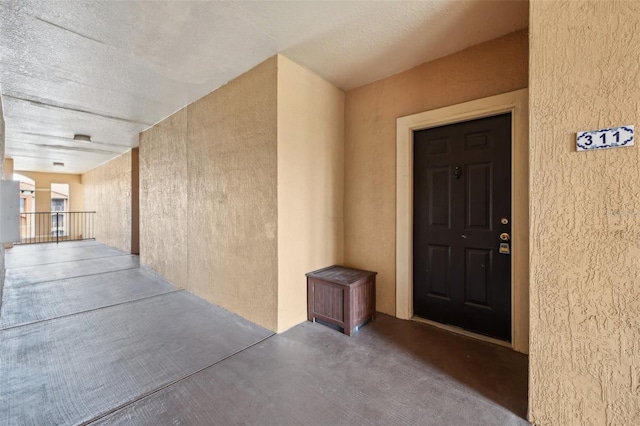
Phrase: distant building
pixel 27 204
pixel 59 205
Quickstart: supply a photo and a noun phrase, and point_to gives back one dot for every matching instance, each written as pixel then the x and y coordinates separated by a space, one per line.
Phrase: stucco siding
pixel 163 198
pixel 107 191
pixel 585 215
pixel 208 208
pixel 310 184
pixel 232 224
pixel 491 68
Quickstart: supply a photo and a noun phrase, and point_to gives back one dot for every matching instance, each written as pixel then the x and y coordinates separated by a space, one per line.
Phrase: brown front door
pixel 462 208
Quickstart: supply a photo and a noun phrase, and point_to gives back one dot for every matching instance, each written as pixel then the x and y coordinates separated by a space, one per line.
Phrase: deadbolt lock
pixel 504 236
pixel 504 221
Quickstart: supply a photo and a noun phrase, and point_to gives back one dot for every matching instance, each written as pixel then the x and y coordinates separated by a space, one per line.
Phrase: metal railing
pixel 49 227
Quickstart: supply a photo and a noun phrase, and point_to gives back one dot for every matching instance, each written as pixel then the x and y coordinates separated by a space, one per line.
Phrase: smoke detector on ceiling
pixel 82 138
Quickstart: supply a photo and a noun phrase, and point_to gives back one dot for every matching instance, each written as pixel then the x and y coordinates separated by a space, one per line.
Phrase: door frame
pixel 517 103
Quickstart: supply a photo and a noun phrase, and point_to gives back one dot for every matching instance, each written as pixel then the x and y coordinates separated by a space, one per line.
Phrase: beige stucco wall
pixel 208 211
pixel 43 183
pixel 108 192
pixel 163 198
pixel 232 224
pixel 585 215
pixel 241 192
pixel 491 68
pixel 135 200
pixel 310 184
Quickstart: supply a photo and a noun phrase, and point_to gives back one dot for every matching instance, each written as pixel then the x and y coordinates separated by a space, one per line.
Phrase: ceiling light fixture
pixel 57 163
pixel 82 138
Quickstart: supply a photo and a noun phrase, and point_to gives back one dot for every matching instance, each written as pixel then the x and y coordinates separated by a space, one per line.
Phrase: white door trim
pixel 517 103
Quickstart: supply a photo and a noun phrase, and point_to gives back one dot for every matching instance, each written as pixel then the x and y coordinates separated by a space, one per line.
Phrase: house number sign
pixel 614 137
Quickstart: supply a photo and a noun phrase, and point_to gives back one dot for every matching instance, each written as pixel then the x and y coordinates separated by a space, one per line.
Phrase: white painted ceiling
pixel 111 69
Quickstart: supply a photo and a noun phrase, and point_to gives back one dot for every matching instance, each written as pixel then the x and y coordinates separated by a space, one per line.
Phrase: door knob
pixel 504 236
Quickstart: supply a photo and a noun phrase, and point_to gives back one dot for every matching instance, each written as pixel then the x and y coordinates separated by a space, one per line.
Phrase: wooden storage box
pixel 341 296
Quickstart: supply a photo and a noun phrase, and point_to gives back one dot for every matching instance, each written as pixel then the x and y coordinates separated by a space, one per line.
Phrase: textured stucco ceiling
pixel 111 69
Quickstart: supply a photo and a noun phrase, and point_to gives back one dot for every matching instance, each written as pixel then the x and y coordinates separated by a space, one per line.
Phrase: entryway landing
pixel 122 346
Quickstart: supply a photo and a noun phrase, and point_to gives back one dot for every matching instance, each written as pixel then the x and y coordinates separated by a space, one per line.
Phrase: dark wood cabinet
pixel 344 297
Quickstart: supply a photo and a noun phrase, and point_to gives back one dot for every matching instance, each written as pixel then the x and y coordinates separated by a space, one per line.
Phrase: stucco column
pixel 8 175
pixel 43 204
pixel 8 168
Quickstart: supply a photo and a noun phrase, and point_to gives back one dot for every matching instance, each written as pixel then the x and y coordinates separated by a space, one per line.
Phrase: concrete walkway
pixel 86 336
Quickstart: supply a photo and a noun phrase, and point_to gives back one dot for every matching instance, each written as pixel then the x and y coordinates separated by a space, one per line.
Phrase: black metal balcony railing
pixel 48 227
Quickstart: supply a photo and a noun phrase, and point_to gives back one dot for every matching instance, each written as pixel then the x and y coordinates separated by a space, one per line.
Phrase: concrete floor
pixel 86 336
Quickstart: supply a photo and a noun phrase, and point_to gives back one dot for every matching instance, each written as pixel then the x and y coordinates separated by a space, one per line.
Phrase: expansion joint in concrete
pixel 154 391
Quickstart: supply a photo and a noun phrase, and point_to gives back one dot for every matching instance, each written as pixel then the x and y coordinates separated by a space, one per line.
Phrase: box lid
pixel 340 274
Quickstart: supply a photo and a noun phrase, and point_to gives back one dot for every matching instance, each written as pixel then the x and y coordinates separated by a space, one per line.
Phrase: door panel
pixel 478 196
pixel 439 200
pixel 462 191
pixel 477 277
pixel 438 281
